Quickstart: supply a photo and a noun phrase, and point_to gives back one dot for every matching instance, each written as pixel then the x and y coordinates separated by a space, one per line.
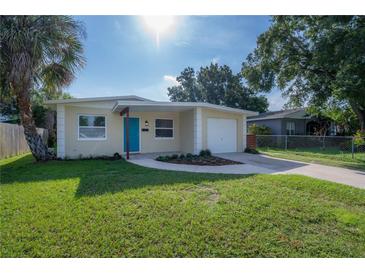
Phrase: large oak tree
pixel 314 60
pixel 216 85
pixel 38 53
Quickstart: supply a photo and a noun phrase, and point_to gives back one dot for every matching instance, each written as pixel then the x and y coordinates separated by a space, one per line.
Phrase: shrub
pixel 174 156
pixel 205 153
pixel 259 130
pixel 161 158
pixel 182 157
pixel 189 155
pixel 117 156
pixel 251 150
pixel 359 138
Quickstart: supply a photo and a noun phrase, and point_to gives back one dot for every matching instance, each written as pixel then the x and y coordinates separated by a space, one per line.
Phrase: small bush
pixel 251 150
pixel 259 130
pixel 359 138
pixel 162 158
pixel 189 155
pixel 117 156
pixel 174 156
pixel 182 157
pixel 205 153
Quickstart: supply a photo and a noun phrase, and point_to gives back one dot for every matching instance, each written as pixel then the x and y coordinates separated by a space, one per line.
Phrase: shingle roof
pixel 298 113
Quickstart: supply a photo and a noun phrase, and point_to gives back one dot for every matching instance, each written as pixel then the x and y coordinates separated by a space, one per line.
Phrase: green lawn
pixel 100 208
pixel 329 156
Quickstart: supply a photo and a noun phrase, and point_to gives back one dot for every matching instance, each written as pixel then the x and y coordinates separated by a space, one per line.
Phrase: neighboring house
pixel 98 126
pixel 289 122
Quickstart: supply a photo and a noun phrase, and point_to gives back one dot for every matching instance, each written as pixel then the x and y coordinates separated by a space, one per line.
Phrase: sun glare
pixel 159 25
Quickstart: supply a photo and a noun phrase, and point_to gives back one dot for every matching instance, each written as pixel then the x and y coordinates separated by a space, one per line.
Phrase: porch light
pixel 146 123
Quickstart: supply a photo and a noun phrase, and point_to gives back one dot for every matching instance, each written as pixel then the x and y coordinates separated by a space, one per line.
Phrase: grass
pixel 101 208
pixel 329 156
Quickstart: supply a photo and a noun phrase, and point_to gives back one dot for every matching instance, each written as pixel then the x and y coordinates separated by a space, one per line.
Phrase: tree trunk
pixel 361 117
pixel 35 142
pixel 21 84
pixel 360 113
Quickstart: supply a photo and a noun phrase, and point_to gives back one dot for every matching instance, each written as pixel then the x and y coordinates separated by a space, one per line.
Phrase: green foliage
pixel 205 153
pixel 316 60
pixel 359 138
pixel 38 54
pixel 102 208
pixel 182 156
pixel 217 85
pixel 251 150
pixel 117 156
pixel 259 129
pixel 55 44
pixel 39 115
pixel 163 158
pixel 340 113
pixel 189 155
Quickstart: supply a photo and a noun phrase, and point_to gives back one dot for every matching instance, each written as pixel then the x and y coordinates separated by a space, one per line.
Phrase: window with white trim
pixel 290 128
pixel 164 128
pixel 92 127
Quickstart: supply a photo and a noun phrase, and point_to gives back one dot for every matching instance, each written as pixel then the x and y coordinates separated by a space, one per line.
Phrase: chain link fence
pixel 324 144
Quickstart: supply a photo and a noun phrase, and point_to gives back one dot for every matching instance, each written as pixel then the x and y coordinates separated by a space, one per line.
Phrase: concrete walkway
pixel 261 164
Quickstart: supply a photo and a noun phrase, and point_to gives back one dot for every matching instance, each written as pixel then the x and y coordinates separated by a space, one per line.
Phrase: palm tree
pixel 38 52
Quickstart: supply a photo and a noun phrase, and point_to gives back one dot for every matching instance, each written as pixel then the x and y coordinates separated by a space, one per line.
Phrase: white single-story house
pixel 98 126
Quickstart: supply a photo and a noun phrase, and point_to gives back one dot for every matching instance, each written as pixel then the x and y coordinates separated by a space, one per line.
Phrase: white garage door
pixel 222 135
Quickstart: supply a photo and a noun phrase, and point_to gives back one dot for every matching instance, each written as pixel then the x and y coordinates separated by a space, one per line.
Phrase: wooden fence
pixel 12 140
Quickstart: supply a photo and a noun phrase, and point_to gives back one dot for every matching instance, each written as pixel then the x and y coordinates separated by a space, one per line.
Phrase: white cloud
pixel 171 80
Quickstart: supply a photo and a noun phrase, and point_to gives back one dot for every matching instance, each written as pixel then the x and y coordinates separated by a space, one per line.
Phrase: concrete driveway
pixel 261 164
pixel 346 176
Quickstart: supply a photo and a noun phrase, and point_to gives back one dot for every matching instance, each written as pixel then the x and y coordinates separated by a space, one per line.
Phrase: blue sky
pixel 124 58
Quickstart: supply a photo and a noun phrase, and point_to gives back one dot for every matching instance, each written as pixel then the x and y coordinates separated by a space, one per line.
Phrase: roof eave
pixel 95 99
pixel 187 104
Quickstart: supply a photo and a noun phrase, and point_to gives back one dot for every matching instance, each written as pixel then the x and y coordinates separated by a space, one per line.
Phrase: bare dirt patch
pixel 209 194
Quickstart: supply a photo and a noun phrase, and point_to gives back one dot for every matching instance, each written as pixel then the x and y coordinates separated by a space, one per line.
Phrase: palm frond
pixel 49 46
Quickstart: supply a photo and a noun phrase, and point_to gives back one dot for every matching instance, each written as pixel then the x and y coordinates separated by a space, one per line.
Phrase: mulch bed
pixel 204 161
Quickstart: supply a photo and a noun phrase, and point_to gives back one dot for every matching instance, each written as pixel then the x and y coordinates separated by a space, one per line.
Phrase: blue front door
pixel 133 134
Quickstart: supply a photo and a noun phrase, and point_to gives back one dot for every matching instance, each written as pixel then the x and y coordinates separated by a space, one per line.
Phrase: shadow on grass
pixel 97 177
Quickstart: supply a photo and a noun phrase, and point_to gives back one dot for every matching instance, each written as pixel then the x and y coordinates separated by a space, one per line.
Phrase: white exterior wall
pixel 187 131
pixel 198 134
pixel 190 130
pixel 61 131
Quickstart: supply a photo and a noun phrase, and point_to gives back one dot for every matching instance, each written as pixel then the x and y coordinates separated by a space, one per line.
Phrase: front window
pixel 92 127
pixel 290 128
pixel 164 128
